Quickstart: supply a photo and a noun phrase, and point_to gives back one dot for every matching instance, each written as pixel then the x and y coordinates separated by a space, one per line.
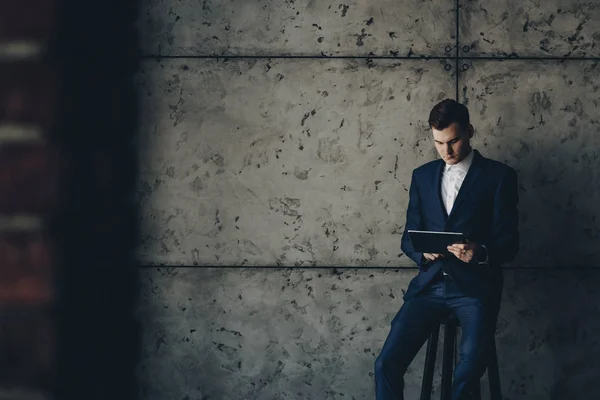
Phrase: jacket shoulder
pixel 426 168
pixel 499 167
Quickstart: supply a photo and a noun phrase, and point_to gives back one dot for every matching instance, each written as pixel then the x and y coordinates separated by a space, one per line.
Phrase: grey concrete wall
pixel 282 162
pixel 305 163
pixel 251 27
pixel 313 334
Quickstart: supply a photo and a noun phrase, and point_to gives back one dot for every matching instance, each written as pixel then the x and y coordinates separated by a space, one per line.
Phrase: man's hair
pixel 446 112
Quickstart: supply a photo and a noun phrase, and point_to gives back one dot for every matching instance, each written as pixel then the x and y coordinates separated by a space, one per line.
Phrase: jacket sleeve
pixel 413 221
pixel 504 243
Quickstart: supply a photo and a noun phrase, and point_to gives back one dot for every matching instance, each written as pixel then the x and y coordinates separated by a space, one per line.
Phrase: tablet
pixel 434 242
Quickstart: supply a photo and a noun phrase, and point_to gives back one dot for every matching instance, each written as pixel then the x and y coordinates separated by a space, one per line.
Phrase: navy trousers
pixel 414 323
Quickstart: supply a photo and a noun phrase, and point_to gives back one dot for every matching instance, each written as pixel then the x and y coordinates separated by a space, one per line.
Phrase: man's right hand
pixel 432 256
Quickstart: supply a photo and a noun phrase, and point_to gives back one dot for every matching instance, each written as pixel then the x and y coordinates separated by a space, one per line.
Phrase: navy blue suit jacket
pixel 485 210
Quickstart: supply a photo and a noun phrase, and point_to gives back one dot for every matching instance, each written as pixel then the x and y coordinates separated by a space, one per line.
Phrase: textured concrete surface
pixel 283 162
pixel 306 163
pixel 264 334
pixel 543 118
pixel 314 334
pixel 275 27
pixel 543 28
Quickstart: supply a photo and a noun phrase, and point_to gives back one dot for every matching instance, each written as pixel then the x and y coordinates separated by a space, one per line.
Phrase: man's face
pixel 453 144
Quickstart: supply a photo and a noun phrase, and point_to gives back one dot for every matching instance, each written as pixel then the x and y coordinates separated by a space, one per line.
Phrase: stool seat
pixel 451 323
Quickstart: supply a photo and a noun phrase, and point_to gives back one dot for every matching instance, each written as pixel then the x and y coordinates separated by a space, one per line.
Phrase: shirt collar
pixel 463 165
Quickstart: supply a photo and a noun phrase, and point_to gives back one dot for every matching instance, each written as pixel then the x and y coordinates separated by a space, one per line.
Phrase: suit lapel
pixel 469 181
pixel 436 183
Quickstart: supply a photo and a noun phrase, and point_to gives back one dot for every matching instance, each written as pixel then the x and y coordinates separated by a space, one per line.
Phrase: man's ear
pixel 471 131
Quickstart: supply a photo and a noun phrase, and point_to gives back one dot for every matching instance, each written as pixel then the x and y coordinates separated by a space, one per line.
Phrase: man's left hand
pixel 464 252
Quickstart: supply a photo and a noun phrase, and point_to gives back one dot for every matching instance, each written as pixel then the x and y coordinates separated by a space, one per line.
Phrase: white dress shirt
pixel 453 178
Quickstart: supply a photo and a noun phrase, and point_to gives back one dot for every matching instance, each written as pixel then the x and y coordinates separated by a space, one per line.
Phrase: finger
pixel 455 252
pixel 460 255
pixel 455 249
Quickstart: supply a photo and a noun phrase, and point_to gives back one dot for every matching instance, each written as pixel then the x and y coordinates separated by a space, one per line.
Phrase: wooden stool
pixel 448 361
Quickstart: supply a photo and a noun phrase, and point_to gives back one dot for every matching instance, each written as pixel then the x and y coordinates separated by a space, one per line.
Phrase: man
pixel 468 193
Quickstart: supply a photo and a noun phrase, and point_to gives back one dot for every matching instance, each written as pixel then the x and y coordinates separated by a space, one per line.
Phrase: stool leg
pixel 448 361
pixel 494 374
pixel 427 384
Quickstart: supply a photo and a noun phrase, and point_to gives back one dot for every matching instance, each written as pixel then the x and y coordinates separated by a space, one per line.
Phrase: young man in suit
pixel 461 192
